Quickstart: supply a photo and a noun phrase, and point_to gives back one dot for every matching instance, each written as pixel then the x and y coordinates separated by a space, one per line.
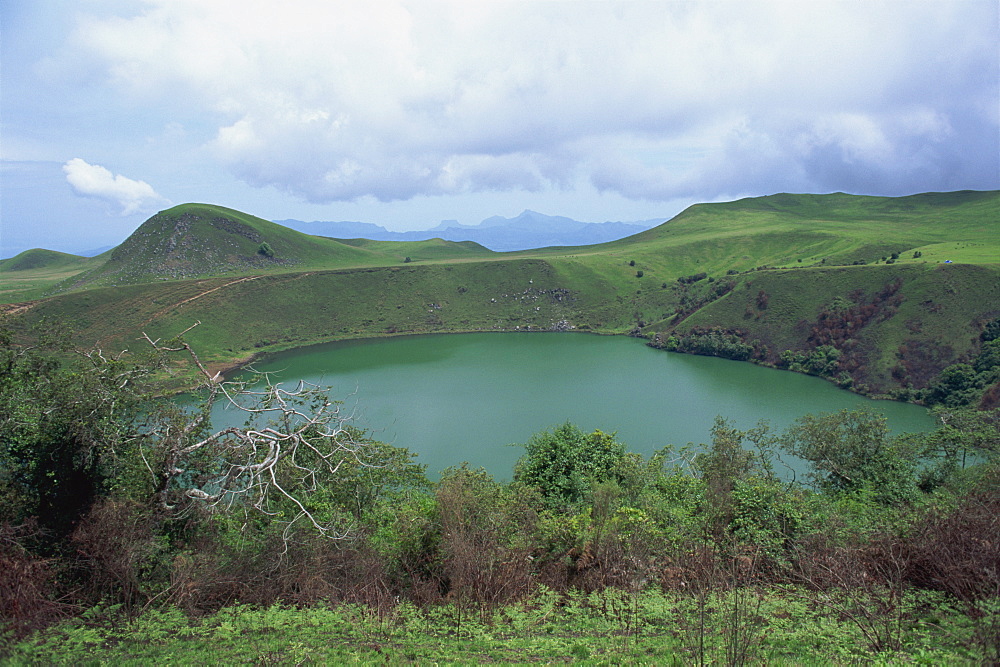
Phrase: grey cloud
pixel 393 101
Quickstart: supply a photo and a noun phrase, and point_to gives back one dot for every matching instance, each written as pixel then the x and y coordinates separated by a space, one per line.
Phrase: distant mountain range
pixel 524 232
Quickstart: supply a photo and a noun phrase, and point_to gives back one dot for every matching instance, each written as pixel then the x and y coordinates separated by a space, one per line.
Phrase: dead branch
pixel 294 440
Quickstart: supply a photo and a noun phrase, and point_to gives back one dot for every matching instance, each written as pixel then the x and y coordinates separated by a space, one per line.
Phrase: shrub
pixel 66 430
pixel 852 451
pixel 956 551
pixel 483 523
pixel 565 463
pixel 125 558
pixel 713 343
pixel 955 386
pixel 685 280
pixel 991 331
pixel 28 587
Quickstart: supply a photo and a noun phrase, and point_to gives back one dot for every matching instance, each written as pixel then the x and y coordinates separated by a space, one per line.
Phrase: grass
pixel 942 305
pixel 32 273
pixel 241 317
pixel 202 263
pixel 422 251
pixel 790 627
pixel 962 252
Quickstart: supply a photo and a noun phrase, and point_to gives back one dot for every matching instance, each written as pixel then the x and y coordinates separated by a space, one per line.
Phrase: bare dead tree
pixel 293 442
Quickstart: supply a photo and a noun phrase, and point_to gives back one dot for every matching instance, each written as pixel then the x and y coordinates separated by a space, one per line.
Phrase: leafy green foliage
pixel 963 384
pixel 822 361
pixel 67 431
pixel 743 496
pixel 705 530
pixel 693 278
pixel 988 360
pixel 406 530
pixel 991 331
pixel 956 385
pixel 728 461
pixel 381 474
pixel 564 463
pixel 607 627
pixel 962 452
pixel 852 451
pixel 713 342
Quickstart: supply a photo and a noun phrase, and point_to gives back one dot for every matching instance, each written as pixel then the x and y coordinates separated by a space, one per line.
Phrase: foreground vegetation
pixel 784 625
pixel 131 532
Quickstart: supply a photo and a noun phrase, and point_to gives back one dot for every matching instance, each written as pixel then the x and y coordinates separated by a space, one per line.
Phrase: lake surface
pixel 466 397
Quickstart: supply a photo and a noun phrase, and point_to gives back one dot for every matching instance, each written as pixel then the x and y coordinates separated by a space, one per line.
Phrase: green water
pixel 466 397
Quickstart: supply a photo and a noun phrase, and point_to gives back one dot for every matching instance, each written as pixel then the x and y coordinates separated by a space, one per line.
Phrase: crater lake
pixel 454 398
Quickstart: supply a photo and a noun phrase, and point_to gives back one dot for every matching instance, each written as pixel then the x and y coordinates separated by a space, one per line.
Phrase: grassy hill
pixel 431 249
pixel 32 273
pixel 894 325
pixel 786 230
pixel 200 240
pixel 901 287
pixel 39 258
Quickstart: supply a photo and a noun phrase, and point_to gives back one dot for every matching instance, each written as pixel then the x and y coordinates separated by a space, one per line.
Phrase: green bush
pixel 713 343
pixel 823 361
pixel 563 464
pixel 69 426
pixel 956 386
pixel 852 451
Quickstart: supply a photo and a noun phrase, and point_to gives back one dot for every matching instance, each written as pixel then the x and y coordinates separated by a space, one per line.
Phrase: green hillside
pixel 900 287
pixel 786 230
pixel 32 273
pixel 198 240
pixel 201 240
pixel 893 326
pixel 39 258
pixel 431 249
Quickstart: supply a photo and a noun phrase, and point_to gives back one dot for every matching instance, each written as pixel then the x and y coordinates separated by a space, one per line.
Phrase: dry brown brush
pixel 30 598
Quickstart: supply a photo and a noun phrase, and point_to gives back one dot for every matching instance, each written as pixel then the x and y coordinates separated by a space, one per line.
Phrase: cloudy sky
pixel 407 113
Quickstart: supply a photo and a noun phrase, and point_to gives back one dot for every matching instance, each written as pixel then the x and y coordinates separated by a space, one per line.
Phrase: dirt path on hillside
pixel 164 311
pixel 15 308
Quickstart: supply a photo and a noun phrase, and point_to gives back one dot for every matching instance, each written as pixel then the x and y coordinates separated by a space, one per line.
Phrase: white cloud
pixel 91 180
pixel 346 100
